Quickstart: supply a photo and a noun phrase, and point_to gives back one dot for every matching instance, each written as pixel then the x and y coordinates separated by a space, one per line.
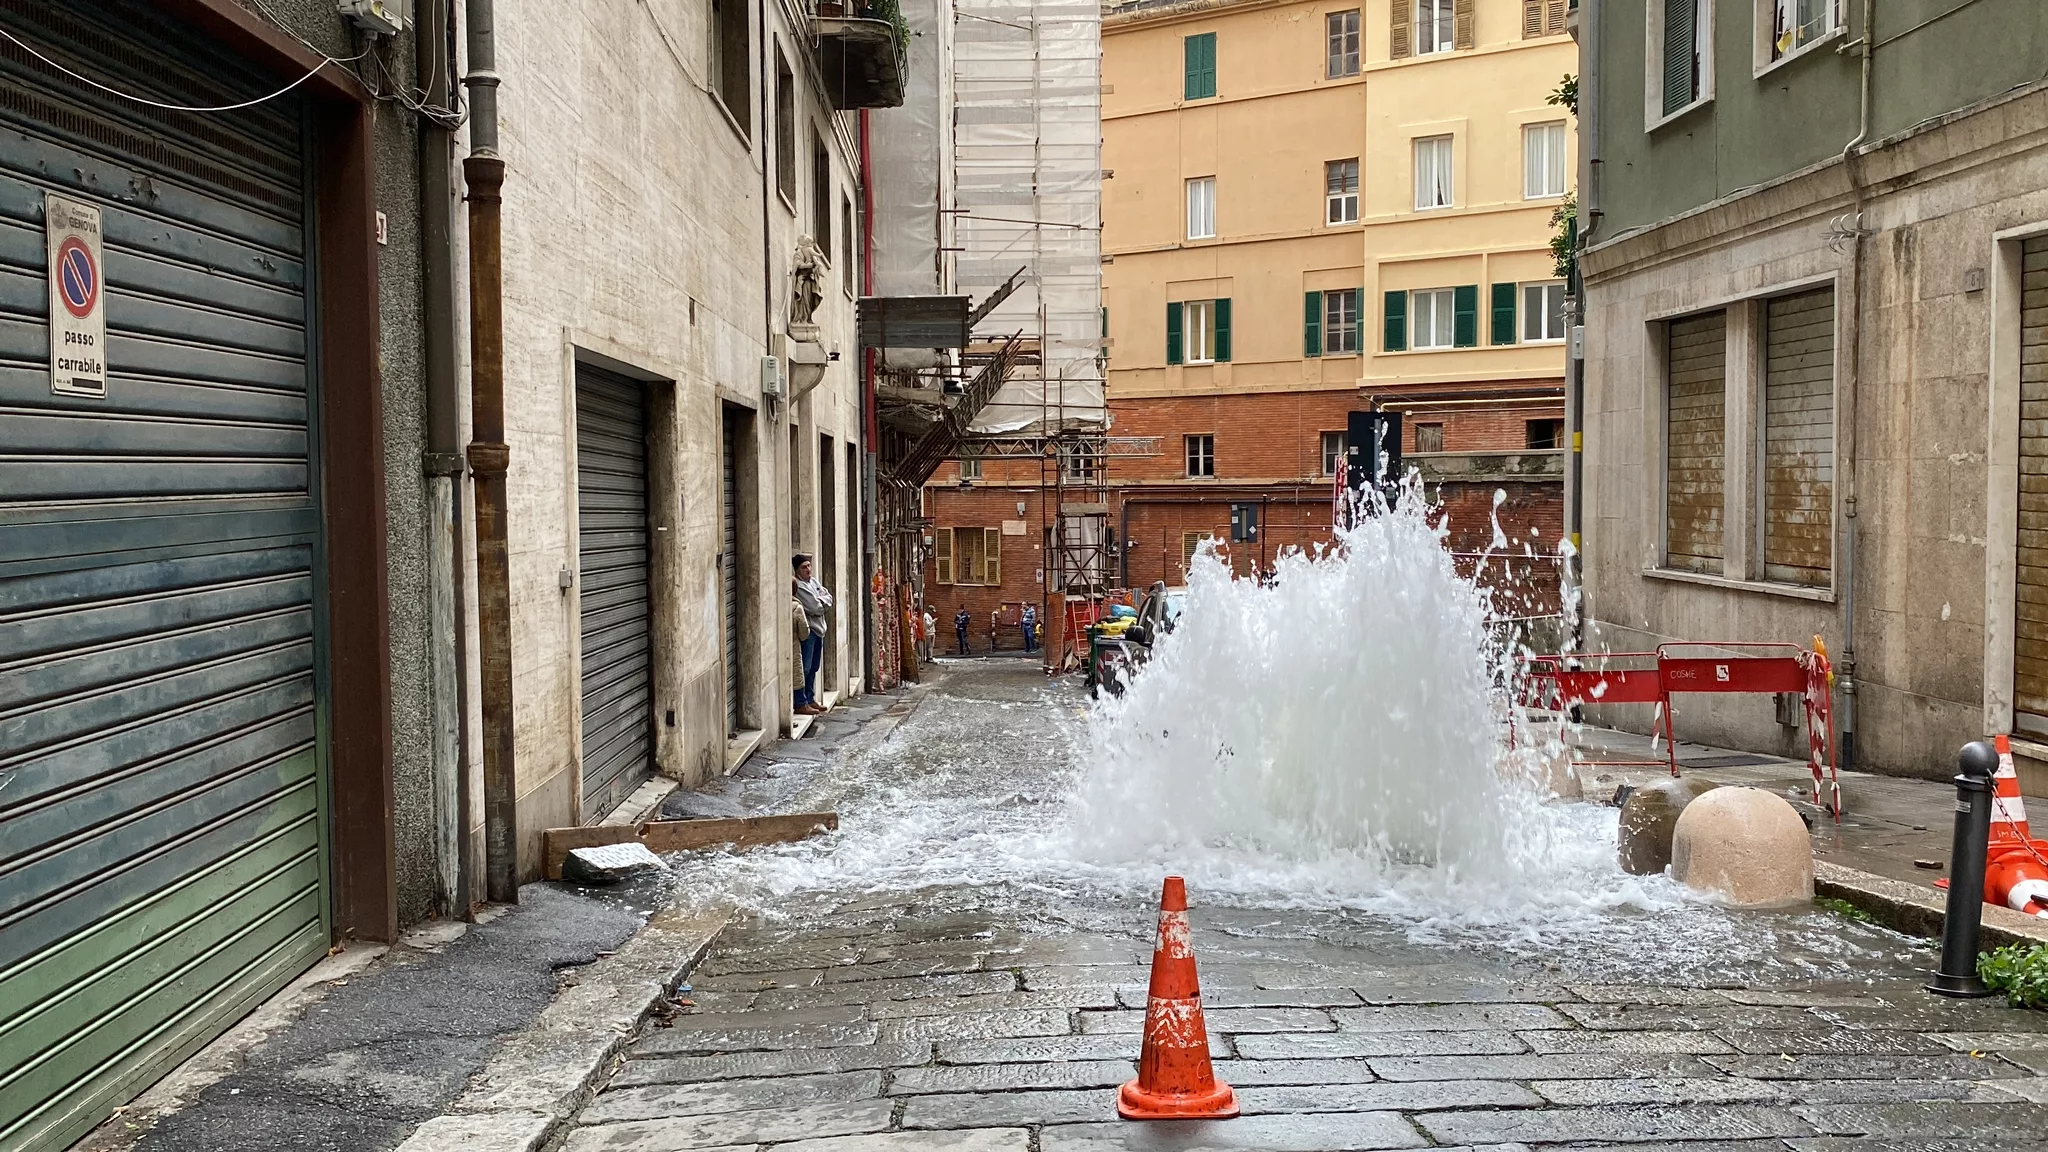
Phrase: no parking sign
pixel 78 318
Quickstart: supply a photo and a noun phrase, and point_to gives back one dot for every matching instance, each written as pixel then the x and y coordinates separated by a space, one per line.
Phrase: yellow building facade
pixel 1335 196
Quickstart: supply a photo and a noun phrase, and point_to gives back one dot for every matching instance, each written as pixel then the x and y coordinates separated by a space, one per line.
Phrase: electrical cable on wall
pixel 325 60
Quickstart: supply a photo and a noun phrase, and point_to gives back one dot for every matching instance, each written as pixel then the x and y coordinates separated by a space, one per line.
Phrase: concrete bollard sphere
pixel 1746 844
pixel 1648 818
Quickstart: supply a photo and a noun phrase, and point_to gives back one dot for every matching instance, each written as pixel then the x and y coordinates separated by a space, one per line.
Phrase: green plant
pixel 1566 94
pixel 2019 971
pixel 1564 241
pixel 1844 908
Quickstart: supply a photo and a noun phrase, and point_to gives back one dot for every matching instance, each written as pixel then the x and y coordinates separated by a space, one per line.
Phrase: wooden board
pixel 685 835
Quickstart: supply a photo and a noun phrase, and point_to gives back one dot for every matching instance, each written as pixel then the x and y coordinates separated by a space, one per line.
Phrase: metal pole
pixel 489 459
pixel 1963 922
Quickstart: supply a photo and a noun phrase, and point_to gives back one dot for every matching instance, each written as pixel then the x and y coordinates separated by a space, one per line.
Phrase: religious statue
pixel 808 287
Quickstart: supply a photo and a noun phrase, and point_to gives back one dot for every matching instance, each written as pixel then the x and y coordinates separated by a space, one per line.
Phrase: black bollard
pixel 1963 923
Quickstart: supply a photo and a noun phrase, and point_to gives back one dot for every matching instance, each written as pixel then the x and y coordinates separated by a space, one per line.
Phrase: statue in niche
pixel 808 285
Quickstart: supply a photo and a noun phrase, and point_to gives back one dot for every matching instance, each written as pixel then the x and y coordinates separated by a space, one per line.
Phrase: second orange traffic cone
pixel 1175 1079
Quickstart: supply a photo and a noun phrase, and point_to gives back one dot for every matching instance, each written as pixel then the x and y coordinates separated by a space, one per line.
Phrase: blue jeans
pixel 814 655
pixel 1030 636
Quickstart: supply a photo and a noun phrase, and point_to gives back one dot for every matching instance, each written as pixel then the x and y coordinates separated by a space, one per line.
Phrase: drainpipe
pixel 869 422
pixel 434 54
pixel 1575 362
pixel 1846 459
pixel 484 172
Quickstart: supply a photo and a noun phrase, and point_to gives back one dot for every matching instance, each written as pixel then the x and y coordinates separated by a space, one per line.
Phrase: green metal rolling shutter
pixel 162 781
pixel 613 566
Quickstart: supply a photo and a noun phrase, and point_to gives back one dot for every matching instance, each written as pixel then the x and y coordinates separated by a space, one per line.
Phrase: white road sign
pixel 78 315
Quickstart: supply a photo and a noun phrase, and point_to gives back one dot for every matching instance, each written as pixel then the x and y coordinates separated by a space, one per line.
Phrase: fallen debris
pixel 659 836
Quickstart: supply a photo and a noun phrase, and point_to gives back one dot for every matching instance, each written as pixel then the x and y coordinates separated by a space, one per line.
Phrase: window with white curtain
pixel 1199 332
pixel 1435 26
pixel 1202 208
pixel 1433 172
pixel 1543 161
pixel 1432 318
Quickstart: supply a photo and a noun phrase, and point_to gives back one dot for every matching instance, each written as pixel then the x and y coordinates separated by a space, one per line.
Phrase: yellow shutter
pixel 1553 17
pixel 992 554
pixel 1400 30
pixel 1532 18
pixel 1462 11
pixel 942 553
pixel 1189 541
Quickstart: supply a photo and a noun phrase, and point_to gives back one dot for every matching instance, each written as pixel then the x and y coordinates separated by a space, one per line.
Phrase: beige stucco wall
pixel 1926 440
pixel 1275 121
pixel 633 239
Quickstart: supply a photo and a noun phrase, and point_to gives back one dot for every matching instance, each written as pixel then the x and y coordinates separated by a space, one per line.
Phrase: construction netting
pixel 1027 154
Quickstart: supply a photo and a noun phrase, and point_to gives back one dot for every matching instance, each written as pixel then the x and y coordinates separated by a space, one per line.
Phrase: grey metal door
pixel 613 565
pixel 162 778
pixel 729 568
pixel 2030 621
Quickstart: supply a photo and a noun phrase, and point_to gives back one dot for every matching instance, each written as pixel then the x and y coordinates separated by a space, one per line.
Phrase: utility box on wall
pixel 379 17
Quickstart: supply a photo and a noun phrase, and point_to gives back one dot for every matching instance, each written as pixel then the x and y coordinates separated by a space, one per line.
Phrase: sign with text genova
pixel 78 316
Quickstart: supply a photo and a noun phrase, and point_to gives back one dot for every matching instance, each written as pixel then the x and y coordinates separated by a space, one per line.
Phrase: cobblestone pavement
pixel 862 1018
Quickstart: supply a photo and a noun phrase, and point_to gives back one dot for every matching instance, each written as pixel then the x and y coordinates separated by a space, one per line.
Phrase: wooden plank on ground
pixel 684 835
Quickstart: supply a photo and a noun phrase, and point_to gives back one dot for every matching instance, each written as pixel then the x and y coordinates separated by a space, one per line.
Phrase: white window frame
pixel 1198 332
pixel 1201 201
pixel 1554 143
pixel 1342 45
pixel 1443 162
pixel 1334 303
pixel 970 467
pixel 1341 206
pixel 1443 319
pixel 1199 446
pixel 1332 446
pixel 1441 18
pixel 1543 315
pixel 1653 64
pixel 1766 22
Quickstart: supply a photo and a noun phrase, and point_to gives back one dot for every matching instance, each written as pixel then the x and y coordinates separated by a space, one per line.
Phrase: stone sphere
pixel 1648 818
pixel 1746 844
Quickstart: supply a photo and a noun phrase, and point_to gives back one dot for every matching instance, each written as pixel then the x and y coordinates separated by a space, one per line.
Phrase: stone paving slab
pixel 1135 997
pixel 1012 1077
pixel 761 981
pixel 1004 1109
pixel 1449 1018
pixel 1648 994
pixel 1824 996
pixel 1662 1090
pixel 869 991
pixel 976 1026
pixel 1900 1091
pixel 979 1140
pixel 685 1040
pixel 1951 1016
pixel 1227 1020
pixel 899 969
pixel 694 1133
pixel 1957 1066
pixel 1626 1043
pixel 1549 1067
pixel 771 1017
pixel 1835 1041
pixel 1038 1049
pixel 2035 1062
pixel 1939 1119
pixel 1298 1046
pixel 1909 1144
pixel 1045 978
pixel 1991 1041
pixel 1347 1132
pixel 1424 991
pixel 1660 1018
pixel 1615 1125
pixel 747 1065
pixel 1246 1073
pixel 1061 999
pixel 655 1101
pixel 1386 1096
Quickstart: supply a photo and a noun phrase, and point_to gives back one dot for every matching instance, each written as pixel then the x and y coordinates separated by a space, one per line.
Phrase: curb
pixel 543 1073
pixel 1918 911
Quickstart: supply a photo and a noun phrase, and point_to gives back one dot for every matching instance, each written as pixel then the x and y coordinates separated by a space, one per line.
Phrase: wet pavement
pixel 918 981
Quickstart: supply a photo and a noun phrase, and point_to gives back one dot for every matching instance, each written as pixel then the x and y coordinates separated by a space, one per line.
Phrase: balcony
pixel 860 49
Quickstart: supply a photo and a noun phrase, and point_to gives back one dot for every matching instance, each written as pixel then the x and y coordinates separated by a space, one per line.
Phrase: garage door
pixel 162 820
pixel 729 569
pixel 613 564
pixel 2030 632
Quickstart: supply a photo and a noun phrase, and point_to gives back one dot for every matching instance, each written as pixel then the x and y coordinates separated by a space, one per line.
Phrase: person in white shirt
pixel 817 604
pixel 924 640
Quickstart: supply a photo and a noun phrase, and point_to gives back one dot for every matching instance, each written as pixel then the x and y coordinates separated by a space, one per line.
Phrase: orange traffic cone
pixel 2008 809
pixel 2016 864
pixel 1175 1080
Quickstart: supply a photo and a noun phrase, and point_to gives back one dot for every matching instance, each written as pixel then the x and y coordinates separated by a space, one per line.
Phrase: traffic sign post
pixel 78 318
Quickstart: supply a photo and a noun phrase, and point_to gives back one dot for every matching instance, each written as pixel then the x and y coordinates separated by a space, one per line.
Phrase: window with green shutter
pixel 1312 324
pixel 1503 313
pixel 1173 333
pixel 1465 310
pixel 1681 54
pixel 1223 330
pixel 1396 336
pixel 1198 60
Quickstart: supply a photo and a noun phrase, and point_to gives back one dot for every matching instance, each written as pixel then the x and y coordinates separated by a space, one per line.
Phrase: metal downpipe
pixel 1846 460
pixel 484 172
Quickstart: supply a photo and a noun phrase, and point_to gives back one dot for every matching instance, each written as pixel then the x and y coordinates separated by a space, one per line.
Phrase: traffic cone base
pixel 1175 1079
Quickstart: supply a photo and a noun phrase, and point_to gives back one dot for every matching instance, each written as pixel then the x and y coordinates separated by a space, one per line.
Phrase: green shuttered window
pixel 1198 59
pixel 1173 334
pixel 1396 335
pixel 1681 54
pixel 1312 324
pixel 1503 313
pixel 1223 330
pixel 1466 311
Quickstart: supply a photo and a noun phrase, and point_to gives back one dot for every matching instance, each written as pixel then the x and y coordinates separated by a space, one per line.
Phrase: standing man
pixel 962 620
pixel 816 602
pixel 1031 627
pixel 928 627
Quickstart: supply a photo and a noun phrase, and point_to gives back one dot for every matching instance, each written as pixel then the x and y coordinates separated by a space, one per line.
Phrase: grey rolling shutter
pixel 163 813
pixel 1695 442
pixel 729 566
pixel 2030 621
pixel 1799 437
pixel 613 565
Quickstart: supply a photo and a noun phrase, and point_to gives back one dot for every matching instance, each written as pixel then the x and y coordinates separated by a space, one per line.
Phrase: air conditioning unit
pixel 379 17
pixel 771 377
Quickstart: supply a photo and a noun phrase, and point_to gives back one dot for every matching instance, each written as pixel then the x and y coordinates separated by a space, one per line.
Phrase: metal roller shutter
pixel 1695 444
pixel 613 565
pixel 1799 437
pixel 162 811
pixel 2030 625
pixel 729 569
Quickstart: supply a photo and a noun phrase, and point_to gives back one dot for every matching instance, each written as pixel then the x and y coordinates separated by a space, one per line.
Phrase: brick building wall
pixel 990 503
